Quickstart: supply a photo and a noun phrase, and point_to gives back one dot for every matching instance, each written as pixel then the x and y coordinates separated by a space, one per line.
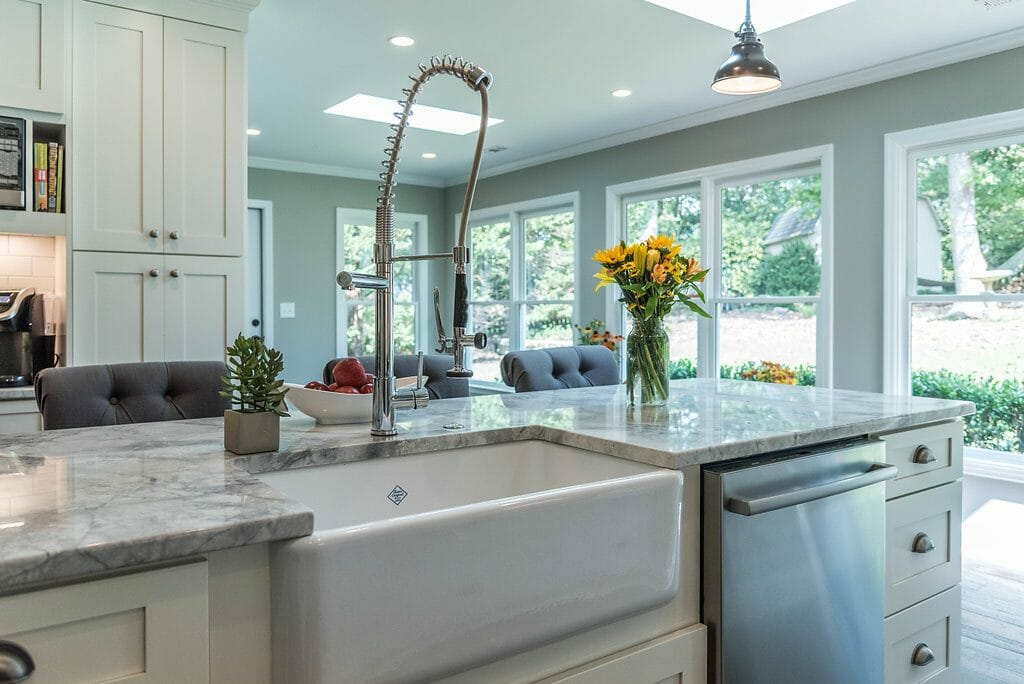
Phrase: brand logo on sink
pixel 397 495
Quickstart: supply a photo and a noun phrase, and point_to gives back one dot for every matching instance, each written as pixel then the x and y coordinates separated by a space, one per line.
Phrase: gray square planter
pixel 249 433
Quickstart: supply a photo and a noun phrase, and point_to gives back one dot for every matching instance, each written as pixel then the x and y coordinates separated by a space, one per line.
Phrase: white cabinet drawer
pixel 929 522
pixel 932 626
pixel 150 627
pixel 924 457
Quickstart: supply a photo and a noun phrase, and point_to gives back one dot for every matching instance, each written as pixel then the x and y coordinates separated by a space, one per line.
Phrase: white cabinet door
pixel 202 304
pixel 118 307
pixel 150 627
pixel 118 137
pixel 204 137
pixel 32 54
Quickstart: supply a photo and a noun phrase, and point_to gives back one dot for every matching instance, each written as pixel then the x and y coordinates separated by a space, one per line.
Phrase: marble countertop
pixel 14 393
pixel 78 502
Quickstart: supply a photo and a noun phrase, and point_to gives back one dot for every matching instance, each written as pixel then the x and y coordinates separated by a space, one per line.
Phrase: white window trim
pixel 421 298
pixel 515 213
pixel 266 209
pixel 710 180
pixel 902 150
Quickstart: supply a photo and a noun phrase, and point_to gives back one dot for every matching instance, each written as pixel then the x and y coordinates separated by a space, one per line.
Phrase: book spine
pixel 60 179
pixel 51 178
pixel 40 176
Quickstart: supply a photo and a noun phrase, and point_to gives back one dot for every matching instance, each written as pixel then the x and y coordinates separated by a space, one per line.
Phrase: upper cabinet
pixel 159 132
pixel 32 37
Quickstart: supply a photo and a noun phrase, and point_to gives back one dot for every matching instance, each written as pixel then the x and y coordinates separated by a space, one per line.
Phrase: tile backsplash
pixel 27 261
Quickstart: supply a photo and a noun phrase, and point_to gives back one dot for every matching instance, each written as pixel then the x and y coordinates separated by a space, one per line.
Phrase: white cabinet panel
pixel 118 114
pixel 146 627
pixel 932 627
pixel 119 308
pixel 202 300
pixel 32 54
pixel 204 129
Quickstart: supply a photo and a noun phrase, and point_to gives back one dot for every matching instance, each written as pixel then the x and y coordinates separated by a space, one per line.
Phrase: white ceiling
pixel 555 63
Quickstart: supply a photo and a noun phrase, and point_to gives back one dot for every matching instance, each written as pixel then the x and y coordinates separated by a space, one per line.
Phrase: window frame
pixel 709 182
pixel 422 307
pixel 903 150
pixel 516 214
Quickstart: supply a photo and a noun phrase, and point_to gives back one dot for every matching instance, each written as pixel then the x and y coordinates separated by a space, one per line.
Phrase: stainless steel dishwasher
pixel 794 566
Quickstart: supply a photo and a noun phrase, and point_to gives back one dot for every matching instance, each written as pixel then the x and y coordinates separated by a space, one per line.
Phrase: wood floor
pixel 993 624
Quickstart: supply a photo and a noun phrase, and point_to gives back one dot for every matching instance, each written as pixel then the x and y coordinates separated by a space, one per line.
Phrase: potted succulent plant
pixel 252 386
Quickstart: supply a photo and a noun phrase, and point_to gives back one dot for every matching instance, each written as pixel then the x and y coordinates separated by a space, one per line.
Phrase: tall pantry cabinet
pixel 159 195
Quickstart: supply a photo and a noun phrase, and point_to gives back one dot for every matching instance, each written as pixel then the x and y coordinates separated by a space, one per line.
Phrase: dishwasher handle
pixel 878 472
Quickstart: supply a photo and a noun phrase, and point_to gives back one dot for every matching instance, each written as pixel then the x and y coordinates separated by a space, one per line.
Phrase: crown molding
pixel 339 171
pixel 960 52
pixel 229 14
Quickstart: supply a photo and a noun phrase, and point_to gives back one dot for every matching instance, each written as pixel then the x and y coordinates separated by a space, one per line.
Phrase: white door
pixel 32 37
pixel 204 138
pixel 118 311
pixel 254 273
pixel 203 306
pixel 118 143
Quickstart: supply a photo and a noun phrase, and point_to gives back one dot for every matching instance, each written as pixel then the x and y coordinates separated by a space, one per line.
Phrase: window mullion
pixel 710 239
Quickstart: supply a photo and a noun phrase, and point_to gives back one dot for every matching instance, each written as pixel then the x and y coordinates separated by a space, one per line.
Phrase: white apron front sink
pixel 423 566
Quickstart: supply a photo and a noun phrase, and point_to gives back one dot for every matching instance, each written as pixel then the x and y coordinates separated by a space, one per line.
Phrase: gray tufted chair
pixel 559 368
pixel 86 396
pixel 439 385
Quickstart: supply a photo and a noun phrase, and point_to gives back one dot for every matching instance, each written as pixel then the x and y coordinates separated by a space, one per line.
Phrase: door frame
pixel 266 209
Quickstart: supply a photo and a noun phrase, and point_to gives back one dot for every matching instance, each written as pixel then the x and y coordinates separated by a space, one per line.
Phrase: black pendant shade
pixel 747 71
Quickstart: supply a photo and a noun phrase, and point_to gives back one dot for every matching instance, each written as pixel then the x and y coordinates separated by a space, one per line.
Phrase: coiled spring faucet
pixel 385 398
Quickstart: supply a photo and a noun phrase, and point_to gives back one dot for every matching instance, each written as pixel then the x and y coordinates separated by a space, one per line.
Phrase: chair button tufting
pixel 113 400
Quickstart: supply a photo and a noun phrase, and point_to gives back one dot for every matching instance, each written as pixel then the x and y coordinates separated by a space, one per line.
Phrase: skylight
pixel 382 109
pixel 766 14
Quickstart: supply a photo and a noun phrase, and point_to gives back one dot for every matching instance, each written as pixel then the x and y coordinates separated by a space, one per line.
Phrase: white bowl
pixel 335 408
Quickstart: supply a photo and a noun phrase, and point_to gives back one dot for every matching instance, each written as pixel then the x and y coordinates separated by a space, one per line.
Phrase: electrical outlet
pixel 287 309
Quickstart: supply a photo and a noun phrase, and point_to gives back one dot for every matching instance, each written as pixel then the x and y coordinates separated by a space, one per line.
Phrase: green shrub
pixel 793 272
pixel 999 420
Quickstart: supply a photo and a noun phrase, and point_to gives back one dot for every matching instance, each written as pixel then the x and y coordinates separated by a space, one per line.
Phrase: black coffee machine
pixel 24 347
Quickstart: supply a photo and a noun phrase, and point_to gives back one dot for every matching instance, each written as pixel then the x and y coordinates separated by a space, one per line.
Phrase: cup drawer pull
pixel 923 454
pixel 15 663
pixel 922 655
pixel 922 543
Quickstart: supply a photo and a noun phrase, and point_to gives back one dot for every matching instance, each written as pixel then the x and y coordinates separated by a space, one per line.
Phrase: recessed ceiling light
pixel 770 15
pixel 252 131
pixel 401 41
pixel 622 92
pixel 383 109
pixel 429 155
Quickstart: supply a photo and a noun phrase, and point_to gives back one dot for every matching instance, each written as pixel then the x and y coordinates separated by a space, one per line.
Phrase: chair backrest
pixel 559 368
pixel 86 396
pixel 439 385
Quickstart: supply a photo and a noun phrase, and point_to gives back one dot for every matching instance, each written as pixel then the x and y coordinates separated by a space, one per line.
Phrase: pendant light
pixel 747 71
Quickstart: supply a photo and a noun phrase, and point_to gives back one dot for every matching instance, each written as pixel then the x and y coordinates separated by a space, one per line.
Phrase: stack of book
pixel 49 177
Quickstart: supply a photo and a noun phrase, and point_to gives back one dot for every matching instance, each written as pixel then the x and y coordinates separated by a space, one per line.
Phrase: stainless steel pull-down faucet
pixel 385 398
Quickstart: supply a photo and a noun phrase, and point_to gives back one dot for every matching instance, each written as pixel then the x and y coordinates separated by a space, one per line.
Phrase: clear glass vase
pixel 647 363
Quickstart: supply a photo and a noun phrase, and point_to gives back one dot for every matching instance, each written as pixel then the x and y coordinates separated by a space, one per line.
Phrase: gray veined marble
pixel 78 502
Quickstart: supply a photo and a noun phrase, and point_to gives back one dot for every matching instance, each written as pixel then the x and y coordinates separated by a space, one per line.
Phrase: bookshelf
pixel 29 221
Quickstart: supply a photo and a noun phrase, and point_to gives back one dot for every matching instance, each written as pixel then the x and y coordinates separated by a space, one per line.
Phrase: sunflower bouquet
pixel 653 276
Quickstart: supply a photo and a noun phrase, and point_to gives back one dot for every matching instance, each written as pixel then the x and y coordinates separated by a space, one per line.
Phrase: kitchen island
pixel 93 502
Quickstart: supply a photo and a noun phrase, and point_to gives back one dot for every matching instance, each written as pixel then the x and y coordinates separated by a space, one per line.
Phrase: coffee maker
pixel 25 348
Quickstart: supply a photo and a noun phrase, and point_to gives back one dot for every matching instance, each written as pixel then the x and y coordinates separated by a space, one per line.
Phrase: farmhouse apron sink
pixel 426 565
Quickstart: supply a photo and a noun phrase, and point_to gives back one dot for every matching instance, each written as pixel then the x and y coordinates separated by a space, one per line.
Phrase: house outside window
pixel 763 226
pixel 522 279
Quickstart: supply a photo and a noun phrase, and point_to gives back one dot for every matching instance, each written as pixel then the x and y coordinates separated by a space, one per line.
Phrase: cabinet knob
pixel 175 273
pixel 922 543
pixel 153 272
pixel 922 655
pixel 173 235
pixel 15 663
pixel 153 233
pixel 923 454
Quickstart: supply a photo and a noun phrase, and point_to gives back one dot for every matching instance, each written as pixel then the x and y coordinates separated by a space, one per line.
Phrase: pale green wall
pixel 304 254
pixel 854 121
